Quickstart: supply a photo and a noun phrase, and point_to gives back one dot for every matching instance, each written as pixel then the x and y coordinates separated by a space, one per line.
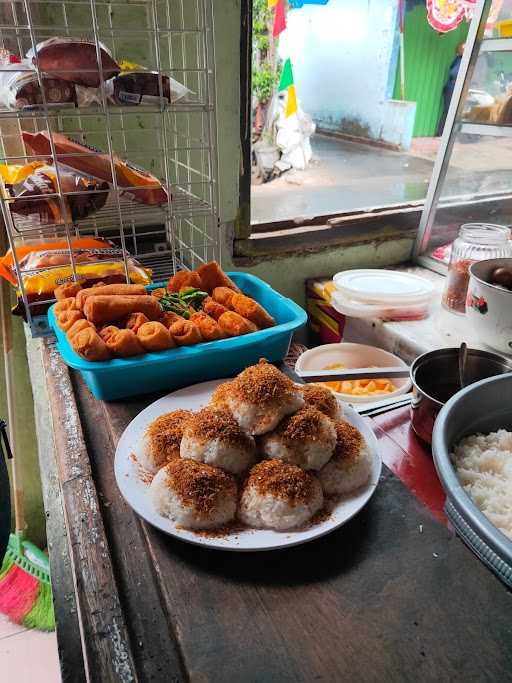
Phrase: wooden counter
pixel 393 595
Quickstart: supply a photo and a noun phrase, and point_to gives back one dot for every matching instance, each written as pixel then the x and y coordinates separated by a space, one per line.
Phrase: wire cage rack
pixel 108 130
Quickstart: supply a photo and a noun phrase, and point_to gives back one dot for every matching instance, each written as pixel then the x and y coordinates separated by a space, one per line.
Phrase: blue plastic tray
pixel 180 367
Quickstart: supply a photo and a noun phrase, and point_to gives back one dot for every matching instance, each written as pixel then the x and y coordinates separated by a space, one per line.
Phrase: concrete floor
pixel 347 176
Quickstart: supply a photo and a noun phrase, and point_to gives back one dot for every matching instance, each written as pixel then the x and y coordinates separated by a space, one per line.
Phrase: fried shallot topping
pixel 281 480
pixel 198 485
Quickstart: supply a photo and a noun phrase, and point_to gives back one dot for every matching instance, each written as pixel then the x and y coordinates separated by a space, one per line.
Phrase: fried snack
pixel 234 325
pixel 107 332
pixel 185 333
pixel 155 337
pixel 250 309
pixel 168 318
pixel 90 346
pixel 105 309
pixel 213 308
pixel 65 319
pixel 224 296
pixel 212 276
pixel 210 330
pixel 135 320
pixel 67 291
pixel 68 304
pixel 159 292
pixel 77 327
pixel 115 290
pixel 183 279
pixel 124 343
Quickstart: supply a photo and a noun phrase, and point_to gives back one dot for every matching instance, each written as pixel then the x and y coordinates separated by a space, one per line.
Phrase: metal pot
pixel 435 379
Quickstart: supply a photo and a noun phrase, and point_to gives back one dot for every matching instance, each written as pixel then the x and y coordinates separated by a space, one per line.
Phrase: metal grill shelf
pixel 175 142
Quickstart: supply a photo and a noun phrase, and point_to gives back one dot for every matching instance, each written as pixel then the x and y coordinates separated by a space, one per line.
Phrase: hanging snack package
pixel 20 89
pixel 141 185
pixel 144 87
pixel 74 60
pixel 46 265
pixel 32 191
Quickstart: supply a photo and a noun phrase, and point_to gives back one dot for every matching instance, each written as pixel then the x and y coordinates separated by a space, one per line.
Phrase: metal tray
pixel 480 408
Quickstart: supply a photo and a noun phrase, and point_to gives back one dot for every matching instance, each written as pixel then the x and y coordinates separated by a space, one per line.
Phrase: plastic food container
pixel 384 294
pixel 354 356
pixel 120 378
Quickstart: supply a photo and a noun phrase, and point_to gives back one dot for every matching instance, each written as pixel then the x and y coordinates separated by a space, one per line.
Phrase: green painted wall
pixel 428 55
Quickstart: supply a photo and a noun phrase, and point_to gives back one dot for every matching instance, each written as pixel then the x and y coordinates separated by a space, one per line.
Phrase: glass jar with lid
pixel 476 242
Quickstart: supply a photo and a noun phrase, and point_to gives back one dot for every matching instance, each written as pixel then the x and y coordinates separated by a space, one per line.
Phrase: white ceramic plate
pixel 134 489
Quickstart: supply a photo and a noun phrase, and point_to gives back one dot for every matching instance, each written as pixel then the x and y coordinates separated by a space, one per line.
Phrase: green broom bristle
pixel 34 562
pixel 41 616
pixel 7 564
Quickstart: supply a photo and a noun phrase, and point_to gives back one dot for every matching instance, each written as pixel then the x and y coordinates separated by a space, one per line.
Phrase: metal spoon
pixel 463 355
pixel 352 373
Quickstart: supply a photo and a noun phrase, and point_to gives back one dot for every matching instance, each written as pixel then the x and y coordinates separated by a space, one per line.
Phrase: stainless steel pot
pixel 435 379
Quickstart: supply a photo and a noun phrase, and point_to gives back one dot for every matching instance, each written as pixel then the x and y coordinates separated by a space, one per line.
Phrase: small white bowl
pixel 353 356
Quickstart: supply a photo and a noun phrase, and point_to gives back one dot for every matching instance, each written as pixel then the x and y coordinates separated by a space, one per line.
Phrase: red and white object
pixel 384 294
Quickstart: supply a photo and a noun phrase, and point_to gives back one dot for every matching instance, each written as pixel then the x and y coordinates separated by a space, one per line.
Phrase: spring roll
pixel 101 290
pixel 107 332
pixel 69 290
pixel 209 327
pixel 77 327
pixel 224 296
pixel 233 325
pixel 213 308
pixel 183 279
pixel 124 343
pixel 66 319
pixel 135 320
pixel 212 276
pixel 250 309
pixel 155 337
pixel 106 309
pixel 68 304
pixel 90 346
pixel 185 333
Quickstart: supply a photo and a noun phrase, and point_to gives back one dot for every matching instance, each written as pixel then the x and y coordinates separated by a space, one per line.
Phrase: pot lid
pixel 374 286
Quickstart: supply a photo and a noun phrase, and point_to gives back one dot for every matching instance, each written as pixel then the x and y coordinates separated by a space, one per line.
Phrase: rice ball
pixel 306 439
pixel 279 496
pixel 161 441
pixel 214 437
pixel 194 495
pixel 351 464
pixel 259 398
pixel 323 399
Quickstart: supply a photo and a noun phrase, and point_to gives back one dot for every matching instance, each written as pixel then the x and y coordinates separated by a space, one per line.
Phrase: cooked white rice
pixel 266 511
pixel 484 466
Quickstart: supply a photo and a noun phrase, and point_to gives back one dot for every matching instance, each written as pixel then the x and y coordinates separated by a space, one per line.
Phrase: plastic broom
pixel 25 589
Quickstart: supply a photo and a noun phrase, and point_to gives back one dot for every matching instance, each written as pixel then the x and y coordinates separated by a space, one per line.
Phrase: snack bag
pixel 33 191
pixel 20 89
pixel 74 60
pixel 47 265
pixel 139 184
pixel 144 87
